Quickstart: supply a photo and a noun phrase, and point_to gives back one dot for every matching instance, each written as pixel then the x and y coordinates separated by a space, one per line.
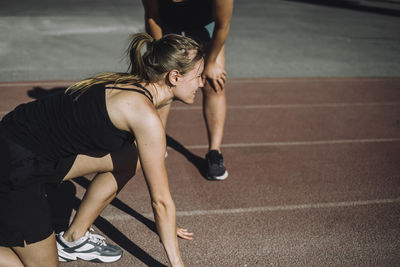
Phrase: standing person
pixel 106 124
pixel 207 22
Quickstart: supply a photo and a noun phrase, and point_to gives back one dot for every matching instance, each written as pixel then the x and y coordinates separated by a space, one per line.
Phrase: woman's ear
pixel 173 77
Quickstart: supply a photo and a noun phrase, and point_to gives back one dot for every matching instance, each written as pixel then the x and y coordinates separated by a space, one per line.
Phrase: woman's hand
pixel 184 234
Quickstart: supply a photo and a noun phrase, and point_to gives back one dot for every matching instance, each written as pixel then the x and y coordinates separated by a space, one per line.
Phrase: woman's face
pixel 188 84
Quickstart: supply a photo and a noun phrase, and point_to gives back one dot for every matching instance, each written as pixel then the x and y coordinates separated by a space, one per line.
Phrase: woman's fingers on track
pixel 184 234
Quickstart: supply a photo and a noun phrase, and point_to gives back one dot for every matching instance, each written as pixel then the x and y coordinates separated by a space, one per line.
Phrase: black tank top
pixel 186 14
pixel 56 126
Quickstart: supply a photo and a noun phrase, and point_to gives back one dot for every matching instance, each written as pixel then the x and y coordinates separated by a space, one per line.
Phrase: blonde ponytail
pixel 149 61
pixel 136 54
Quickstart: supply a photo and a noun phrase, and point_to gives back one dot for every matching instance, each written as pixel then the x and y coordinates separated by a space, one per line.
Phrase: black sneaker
pixel 216 168
pixel 91 247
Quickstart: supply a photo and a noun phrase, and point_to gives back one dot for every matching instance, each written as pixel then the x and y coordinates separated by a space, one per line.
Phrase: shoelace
pixel 220 160
pixel 95 238
pixel 216 159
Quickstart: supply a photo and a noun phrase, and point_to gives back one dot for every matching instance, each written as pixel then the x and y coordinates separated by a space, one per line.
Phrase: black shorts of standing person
pixel 207 22
pixel 107 125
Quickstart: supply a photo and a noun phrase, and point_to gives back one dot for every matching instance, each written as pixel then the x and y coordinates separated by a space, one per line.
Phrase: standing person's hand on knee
pixel 215 74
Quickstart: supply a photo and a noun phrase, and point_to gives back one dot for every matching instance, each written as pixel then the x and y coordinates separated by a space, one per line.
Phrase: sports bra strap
pixel 148 95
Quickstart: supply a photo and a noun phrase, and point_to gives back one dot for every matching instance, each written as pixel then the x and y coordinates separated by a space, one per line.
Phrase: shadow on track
pixel 199 162
pixel 39 92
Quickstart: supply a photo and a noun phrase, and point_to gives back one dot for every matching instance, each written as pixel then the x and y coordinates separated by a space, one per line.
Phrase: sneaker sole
pixel 66 257
pixel 98 258
pixel 63 256
pixel 85 257
pixel 61 259
pixel 219 178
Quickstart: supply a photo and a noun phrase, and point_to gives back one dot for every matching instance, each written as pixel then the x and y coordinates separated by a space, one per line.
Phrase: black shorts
pixel 24 210
pixel 24 216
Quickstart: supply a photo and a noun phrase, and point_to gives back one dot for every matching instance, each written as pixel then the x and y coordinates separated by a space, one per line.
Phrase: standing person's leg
pixel 163 113
pixel 214 111
pixel 115 170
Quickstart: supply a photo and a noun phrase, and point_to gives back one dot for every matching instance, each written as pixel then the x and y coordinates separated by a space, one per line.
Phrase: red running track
pixel 314 178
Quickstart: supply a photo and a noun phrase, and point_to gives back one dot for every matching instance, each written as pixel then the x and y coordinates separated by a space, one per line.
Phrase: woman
pixel 207 22
pixel 100 125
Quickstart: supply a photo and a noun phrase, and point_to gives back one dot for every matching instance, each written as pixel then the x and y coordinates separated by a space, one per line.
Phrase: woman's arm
pixel 151 18
pixel 151 142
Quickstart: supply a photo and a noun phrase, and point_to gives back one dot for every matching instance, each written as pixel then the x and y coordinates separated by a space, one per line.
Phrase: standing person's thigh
pixel 125 159
pixel 8 258
pixel 39 254
pixel 221 57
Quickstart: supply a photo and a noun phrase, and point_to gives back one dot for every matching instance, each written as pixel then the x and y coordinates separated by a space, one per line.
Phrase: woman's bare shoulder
pixel 128 109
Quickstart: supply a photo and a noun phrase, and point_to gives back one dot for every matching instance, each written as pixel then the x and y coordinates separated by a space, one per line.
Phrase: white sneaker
pixel 91 247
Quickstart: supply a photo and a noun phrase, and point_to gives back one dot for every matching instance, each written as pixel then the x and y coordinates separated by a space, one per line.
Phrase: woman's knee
pixel 209 92
pixel 42 253
pixel 9 258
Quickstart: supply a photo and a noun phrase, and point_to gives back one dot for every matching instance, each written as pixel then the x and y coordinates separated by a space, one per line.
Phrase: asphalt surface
pixel 73 39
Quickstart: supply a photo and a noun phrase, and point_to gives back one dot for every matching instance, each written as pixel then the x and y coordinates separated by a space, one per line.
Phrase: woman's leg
pixel 39 254
pixel 100 193
pixel 115 170
pixel 8 258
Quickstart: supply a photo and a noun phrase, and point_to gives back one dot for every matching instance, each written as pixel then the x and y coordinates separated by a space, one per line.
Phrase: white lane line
pixel 301 143
pixel 237 80
pixel 90 30
pixel 326 205
pixel 313 80
pixel 323 105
